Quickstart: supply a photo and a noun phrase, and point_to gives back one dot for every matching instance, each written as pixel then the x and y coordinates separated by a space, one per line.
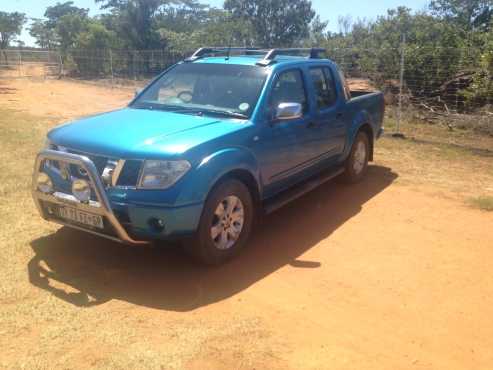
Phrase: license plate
pixel 80 217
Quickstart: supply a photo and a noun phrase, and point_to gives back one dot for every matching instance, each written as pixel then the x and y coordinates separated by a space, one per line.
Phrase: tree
pixel 60 28
pixel 96 37
pixel 94 41
pixel 345 22
pixel 470 14
pixel 134 21
pixel 318 31
pixel 276 22
pixel 223 29
pixel 45 36
pixel 56 12
pixel 217 28
pixel 480 92
pixel 68 29
pixel 184 16
pixel 10 27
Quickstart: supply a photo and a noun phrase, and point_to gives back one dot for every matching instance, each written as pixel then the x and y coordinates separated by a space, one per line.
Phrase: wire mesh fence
pixel 448 86
pixel 29 63
pixel 119 64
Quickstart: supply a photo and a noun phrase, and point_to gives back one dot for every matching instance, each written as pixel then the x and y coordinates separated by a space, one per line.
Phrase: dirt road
pixel 377 275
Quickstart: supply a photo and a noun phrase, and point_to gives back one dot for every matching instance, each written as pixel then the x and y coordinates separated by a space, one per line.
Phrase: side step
pixel 297 191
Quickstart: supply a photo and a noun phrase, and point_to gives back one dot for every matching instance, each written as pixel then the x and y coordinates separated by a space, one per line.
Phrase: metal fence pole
pixel 61 66
pixel 111 68
pixel 458 83
pixel 152 62
pixel 401 85
pixel 20 63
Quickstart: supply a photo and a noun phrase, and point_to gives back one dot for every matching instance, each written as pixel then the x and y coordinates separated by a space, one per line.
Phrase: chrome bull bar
pixel 100 207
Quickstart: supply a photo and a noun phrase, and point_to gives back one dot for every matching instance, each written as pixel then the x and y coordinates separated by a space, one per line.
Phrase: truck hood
pixel 139 133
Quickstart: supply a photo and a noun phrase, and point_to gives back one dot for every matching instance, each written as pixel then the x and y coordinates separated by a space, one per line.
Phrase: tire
pixel 227 215
pixel 356 166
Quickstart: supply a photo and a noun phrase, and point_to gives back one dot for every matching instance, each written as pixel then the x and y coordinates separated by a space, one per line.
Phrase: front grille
pixel 129 175
pixel 99 162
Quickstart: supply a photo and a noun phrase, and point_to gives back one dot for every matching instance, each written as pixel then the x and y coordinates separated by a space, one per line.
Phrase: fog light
pixel 156 224
pixel 81 190
pixel 44 183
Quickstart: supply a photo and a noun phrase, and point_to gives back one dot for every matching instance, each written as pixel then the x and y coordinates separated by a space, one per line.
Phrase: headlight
pixel 44 183
pixel 162 174
pixel 81 190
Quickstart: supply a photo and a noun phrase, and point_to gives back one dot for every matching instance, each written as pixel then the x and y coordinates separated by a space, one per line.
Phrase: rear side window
pixel 347 91
pixel 324 87
pixel 289 88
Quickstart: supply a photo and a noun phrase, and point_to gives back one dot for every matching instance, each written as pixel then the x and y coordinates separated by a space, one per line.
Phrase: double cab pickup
pixel 209 145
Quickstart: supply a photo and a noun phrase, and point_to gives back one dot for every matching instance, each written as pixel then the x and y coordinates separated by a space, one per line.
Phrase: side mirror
pixel 288 111
pixel 137 92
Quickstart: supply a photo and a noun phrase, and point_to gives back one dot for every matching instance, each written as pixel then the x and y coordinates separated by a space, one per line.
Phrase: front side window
pixel 191 87
pixel 324 87
pixel 289 88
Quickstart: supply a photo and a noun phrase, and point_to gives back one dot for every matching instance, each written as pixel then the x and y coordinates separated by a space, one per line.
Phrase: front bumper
pixel 123 221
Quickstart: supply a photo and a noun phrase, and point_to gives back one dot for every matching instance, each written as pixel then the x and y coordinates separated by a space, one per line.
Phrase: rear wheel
pixel 225 224
pixel 356 165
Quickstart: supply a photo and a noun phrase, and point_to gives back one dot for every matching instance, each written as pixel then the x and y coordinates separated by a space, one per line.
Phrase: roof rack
pixel 313 53
pixel 202 52
pixel 270 54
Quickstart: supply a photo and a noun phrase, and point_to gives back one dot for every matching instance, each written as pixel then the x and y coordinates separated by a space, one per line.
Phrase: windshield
pixel 206 88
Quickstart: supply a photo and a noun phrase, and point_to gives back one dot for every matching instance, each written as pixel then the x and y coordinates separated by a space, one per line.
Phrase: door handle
pixel 312 124
pixel 339 115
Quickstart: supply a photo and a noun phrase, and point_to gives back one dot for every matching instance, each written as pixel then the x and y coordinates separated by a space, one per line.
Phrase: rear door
pixel 327 128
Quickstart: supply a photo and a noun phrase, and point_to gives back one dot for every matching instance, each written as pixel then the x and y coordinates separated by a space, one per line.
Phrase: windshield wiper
pixel 165 107
pixel 187 109
pixel 201 110
pixel 226 113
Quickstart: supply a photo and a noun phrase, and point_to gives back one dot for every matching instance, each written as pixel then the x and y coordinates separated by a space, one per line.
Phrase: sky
pixel 328 9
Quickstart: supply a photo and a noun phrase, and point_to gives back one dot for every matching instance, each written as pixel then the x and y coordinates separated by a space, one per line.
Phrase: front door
pixel 284 143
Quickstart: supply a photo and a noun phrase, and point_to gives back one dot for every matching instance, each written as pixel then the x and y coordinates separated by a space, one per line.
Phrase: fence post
pixel 20 63
pixel 401 85
pixel 61 66
pixel 151 63
pixel 458 83
pixel 111 68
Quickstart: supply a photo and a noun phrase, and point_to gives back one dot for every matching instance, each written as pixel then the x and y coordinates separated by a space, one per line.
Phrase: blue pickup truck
pixel 210 144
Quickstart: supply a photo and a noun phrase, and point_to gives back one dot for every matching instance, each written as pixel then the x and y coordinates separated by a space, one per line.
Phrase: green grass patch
pixel 484 203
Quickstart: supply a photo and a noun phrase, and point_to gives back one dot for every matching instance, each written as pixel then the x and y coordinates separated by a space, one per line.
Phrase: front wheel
pixel 225 224
pixel 356 165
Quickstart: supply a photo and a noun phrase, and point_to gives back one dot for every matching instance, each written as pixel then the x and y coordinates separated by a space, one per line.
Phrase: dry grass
pixel 459 162
pixel 484 203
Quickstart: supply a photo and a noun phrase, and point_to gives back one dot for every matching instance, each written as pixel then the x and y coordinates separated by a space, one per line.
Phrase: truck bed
pixel 371 103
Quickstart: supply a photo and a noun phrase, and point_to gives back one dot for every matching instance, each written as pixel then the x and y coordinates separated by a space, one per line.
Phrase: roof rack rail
pixel 202 52
pixel 270 54
pixel 313 53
